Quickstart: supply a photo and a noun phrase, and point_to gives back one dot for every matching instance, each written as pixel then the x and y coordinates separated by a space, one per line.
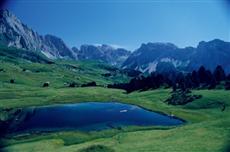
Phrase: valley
pixel 27 90
pixel 179 96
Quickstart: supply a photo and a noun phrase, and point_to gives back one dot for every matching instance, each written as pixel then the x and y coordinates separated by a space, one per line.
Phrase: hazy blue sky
pixel 126 23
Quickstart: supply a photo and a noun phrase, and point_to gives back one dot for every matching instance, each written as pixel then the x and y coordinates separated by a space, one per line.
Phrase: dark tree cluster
pixel 142 83
pixel 201 78
pixel 73 84
pixel 12 81
pixel 46 84
pixel 90 84
pixel 181 97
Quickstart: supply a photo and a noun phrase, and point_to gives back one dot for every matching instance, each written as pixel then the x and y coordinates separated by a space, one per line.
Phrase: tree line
pixel 201 78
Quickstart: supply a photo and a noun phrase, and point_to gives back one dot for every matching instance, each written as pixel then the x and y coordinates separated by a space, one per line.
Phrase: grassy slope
pixel 207 128
pixel 57 73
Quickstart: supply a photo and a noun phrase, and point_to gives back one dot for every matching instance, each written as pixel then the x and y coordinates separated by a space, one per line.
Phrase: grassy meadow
pixel 207 127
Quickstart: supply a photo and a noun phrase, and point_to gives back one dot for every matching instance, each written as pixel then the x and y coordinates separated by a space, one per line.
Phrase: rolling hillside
pixel 33 69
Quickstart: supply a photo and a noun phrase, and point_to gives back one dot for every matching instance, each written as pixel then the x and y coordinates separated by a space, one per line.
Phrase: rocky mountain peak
pixel 14 33
pixel 158 45
pixel 7 14
pixel 104 53
pixel 210 54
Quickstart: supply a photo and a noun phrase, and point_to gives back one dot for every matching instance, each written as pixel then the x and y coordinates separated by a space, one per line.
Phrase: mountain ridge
pixel 14 33
pixel 209 54
pixel 106 53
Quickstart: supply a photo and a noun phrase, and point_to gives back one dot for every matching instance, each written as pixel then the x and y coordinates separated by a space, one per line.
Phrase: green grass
pixel 58 73
pixel 207 128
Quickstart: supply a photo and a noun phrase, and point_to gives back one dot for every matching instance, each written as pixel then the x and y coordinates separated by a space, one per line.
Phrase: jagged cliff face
pixel 152 56
pixel 104 53
pixel 14 33
pixel 148 56
pixel 210 54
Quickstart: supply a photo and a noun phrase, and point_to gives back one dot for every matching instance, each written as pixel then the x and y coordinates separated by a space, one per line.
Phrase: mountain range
pixel 148 58
pixel 151 56
pixel 106 53
pixel 13 33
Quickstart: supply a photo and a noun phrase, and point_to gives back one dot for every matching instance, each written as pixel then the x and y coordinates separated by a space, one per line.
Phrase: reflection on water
pixel 88 116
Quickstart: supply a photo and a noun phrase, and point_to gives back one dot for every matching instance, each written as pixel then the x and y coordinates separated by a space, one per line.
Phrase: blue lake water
pixel 90 116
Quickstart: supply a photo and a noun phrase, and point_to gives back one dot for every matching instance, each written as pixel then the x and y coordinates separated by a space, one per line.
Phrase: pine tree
pixel 202 74
pixel 219 74
pixel 195 79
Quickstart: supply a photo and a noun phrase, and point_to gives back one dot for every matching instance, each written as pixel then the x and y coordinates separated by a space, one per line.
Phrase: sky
pixel 127 23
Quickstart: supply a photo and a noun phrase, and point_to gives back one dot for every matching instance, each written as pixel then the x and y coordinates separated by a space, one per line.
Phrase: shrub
pixel 90 84
pixel 97 148
pixel 181 97
pixel 72 84
pixel 46 84
pixel 12 81
pixel 227 85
